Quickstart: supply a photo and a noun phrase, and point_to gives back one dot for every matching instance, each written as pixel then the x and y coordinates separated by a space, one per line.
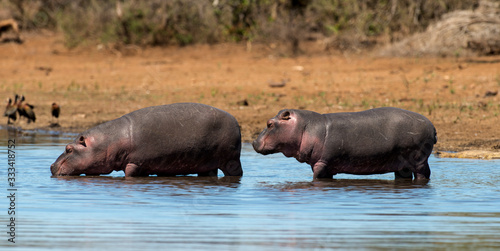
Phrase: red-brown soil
pixel 95 84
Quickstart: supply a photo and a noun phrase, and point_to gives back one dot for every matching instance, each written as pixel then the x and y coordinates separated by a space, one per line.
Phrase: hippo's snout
pixel 255 145
pixel 53 169
pixel 259 147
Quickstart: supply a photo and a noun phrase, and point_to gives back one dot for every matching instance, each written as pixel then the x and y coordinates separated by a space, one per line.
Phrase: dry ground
pixel 97 84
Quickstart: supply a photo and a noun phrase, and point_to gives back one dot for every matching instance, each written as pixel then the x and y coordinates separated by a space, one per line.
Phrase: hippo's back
pixel 183 135
pixel 380 129
pixel 181 124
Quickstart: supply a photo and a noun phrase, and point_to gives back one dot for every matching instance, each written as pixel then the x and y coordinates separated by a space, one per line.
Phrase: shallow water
pixel 274 206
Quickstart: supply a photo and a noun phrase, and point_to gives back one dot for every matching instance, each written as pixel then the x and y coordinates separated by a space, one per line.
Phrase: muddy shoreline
pixel 93 85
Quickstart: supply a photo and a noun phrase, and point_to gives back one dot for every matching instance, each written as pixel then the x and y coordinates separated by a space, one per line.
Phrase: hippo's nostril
pixel 69 149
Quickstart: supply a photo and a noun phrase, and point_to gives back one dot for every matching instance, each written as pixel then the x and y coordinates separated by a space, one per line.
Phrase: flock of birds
pixel 21 107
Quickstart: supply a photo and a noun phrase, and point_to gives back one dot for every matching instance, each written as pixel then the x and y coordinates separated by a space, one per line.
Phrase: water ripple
pixel 275 206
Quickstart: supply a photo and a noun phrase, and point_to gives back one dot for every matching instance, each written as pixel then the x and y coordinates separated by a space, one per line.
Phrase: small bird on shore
pixel 10 111
pixel 25 109
pixel 56 110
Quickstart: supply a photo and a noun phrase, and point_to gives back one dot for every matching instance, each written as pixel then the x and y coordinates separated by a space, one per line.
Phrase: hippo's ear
pixel 285 115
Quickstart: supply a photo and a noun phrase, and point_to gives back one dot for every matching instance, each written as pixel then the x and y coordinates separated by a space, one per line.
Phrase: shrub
pixel 183 22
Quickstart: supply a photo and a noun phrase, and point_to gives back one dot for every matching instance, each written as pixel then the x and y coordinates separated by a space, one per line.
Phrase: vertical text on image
pixel 11 190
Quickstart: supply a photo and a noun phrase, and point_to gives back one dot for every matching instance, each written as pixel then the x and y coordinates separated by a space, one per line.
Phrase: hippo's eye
pixel 69 150
pixel 269 125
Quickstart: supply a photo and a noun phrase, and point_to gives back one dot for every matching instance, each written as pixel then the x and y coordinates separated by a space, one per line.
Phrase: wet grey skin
pixel 375 141
pixel 166 140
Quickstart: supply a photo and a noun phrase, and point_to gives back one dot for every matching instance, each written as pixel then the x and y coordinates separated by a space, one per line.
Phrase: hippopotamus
pixel 375 141
pixel 166 140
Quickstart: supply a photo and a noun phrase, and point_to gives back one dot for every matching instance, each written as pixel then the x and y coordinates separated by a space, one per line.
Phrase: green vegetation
pixel 184 22
pixel 73 86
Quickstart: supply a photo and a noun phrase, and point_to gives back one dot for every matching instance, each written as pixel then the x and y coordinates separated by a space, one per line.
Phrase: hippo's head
pixel 283 134
pixel 82 156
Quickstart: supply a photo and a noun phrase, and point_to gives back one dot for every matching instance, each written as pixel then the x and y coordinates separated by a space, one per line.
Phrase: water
pixel 274 206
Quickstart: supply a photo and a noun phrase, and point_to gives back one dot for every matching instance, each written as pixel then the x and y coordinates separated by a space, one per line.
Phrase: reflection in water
pixel 352 184
pixel 276 205
pixel 34 137
pixel 179 182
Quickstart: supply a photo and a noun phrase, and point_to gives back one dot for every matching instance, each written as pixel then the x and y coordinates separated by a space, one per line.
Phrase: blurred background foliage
pixel 184 22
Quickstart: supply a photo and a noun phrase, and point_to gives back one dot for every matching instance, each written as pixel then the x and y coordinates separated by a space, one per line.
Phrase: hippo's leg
pixel 210 173
pixel 232 168
pixel 404 173
pixel 320 171
pixel 132 170
pixel 423 171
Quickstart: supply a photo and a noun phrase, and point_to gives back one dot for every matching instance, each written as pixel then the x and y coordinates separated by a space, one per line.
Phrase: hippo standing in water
pixel 166 140
pixel 375 141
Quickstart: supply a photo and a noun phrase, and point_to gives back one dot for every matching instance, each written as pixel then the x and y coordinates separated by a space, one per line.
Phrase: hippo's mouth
pixel 265 152
pixel 59 173
pixel 261 148
pixel 56 168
